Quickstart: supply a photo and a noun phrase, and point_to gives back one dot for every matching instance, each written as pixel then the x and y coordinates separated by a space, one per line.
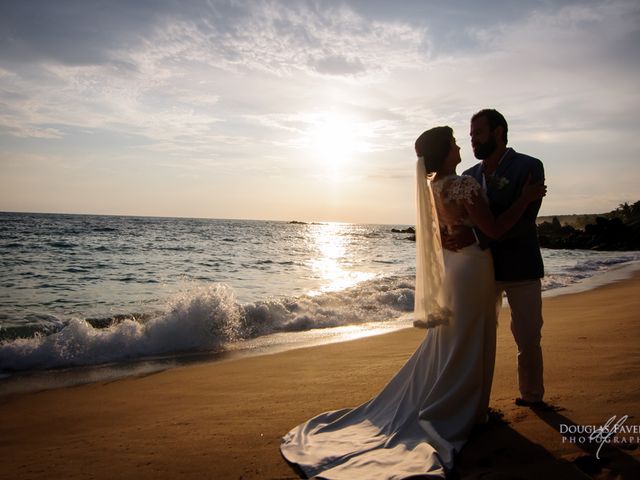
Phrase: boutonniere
pixel 497 183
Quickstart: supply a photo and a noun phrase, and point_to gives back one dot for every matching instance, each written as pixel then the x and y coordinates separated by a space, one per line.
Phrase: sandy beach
pixel 225 419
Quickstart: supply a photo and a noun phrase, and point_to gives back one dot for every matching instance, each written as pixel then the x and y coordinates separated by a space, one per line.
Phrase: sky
pixel 306 110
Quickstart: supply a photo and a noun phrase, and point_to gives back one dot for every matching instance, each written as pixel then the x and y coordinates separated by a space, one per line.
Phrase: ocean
pixel 81 292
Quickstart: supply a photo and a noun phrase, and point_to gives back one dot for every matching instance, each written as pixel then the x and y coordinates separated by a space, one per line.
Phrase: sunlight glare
pixel 333 257
pixel 334 139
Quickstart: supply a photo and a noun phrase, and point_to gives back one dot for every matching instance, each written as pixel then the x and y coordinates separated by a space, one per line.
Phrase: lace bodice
pixel 450 194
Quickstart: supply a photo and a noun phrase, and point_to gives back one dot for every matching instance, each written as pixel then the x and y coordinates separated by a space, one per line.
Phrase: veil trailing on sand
pixel 430 307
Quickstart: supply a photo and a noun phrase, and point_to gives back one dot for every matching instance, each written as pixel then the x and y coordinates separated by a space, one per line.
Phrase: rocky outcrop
pixel 605 234
pixel 406 230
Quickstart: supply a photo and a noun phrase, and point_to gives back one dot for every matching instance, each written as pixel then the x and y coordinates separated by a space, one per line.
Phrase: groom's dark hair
pixel 495 119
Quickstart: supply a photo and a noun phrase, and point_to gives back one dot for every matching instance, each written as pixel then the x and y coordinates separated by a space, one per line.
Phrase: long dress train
pixel 427 410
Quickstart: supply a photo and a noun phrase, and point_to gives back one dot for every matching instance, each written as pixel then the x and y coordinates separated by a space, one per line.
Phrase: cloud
pixel 339 65
pixel 554 57
pixel 187 79
pixel 32 132
pixel 269 35
pixel 59 31
pixel 241 85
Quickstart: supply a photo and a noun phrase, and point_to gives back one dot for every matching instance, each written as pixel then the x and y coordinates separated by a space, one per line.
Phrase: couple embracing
pixel 476 238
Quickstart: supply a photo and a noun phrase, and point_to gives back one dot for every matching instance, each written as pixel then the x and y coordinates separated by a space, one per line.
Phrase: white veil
pixel 430 307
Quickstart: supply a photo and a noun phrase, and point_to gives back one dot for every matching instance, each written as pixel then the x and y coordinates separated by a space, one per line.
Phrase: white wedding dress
pixel 413 427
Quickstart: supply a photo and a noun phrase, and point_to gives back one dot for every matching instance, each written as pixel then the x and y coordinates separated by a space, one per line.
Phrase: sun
pixel 334 139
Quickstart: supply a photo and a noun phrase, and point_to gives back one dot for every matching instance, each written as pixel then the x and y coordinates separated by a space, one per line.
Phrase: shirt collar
pixel 484 180
pixel 506 152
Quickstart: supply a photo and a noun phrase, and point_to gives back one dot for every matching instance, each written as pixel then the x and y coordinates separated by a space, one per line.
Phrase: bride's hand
pixel 533 191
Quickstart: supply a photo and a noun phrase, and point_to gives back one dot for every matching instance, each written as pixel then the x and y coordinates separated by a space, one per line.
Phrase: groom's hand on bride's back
pixel 460 240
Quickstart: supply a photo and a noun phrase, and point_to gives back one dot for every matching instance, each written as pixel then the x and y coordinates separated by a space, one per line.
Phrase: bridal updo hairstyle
pixel 433 146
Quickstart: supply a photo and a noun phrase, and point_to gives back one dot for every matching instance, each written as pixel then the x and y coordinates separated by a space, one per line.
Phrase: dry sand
pixel 224 420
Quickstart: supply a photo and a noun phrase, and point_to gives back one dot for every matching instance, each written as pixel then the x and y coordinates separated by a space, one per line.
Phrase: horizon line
pixel 199 218
pixel 293 220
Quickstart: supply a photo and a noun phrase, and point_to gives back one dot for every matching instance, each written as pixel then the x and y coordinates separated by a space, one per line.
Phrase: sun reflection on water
pixel 334 258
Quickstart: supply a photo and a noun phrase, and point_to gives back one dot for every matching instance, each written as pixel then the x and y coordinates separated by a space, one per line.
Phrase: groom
pixel 516 255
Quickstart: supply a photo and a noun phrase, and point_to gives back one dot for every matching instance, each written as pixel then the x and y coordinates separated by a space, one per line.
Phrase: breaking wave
pixel 204 319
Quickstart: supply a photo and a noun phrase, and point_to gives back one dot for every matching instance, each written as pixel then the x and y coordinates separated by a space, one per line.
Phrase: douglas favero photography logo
pixel 614 431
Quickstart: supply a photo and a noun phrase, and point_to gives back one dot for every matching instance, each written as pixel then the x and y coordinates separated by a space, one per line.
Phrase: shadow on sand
pixel 498 452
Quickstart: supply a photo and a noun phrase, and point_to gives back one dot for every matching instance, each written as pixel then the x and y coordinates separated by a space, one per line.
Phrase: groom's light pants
pixel 526 324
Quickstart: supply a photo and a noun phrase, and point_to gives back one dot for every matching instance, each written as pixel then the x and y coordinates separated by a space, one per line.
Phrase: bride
pixel 425 413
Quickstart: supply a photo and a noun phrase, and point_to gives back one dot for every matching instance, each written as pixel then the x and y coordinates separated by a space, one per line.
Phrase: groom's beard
pixel 482 151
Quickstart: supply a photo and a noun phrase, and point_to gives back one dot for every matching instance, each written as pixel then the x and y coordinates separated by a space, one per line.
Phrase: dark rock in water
pixel 412 238
pixel 606 234
pixel 296 222
pixel 406 230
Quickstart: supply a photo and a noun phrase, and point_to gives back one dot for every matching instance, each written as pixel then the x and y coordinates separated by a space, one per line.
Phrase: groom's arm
pixel 528 218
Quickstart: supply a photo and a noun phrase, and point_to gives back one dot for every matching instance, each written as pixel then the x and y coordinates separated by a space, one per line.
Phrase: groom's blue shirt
pixel 516 255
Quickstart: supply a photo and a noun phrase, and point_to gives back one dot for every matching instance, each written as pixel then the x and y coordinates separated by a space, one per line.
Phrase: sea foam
pixel 202 320
pixel 205 319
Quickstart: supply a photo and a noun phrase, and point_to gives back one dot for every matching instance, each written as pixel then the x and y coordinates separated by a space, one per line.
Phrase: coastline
pixel 225 419
pixel 38 380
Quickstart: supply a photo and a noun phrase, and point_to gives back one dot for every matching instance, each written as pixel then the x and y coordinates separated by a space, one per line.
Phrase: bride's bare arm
pixel 481 216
